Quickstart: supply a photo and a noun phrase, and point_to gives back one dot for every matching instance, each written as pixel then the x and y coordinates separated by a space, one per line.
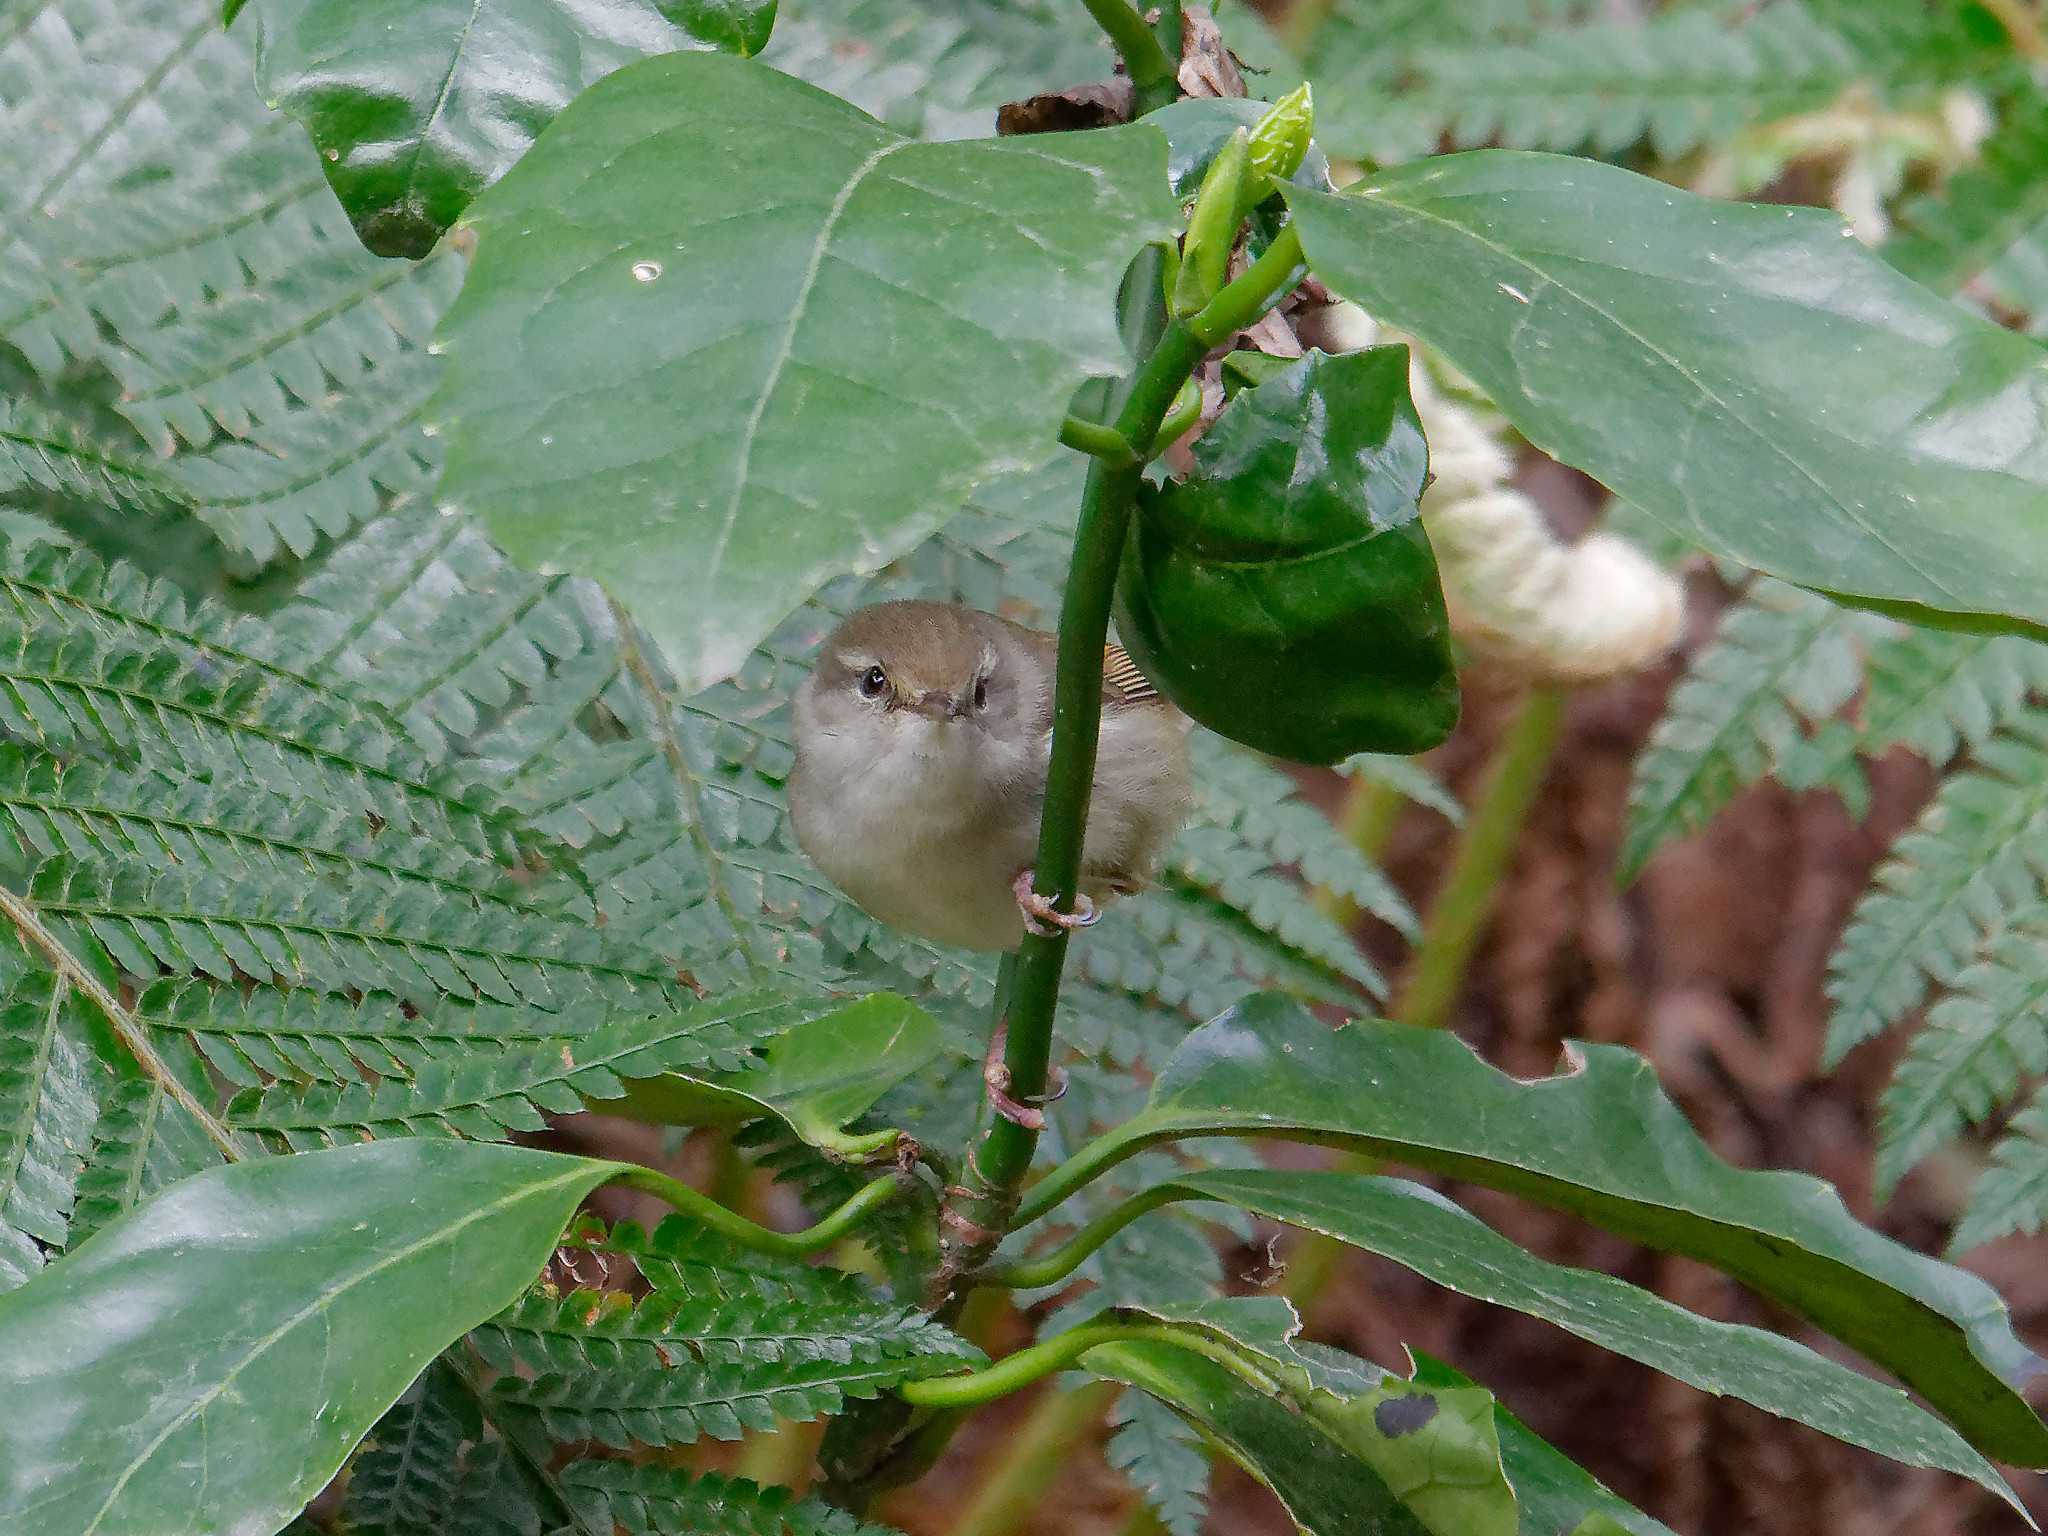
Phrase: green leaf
pixel 1746 375
pixel 1284 593
pixel 283 1305
pixel 1601 1141
pixel 737 26
pixel 2012 1194
pixel 417 107
pixel 1326 1490
pixel 49 1103
pixel 1780 660
pixel 1422 1230
pixel 1555 1493
pixel 670 373
pixel 666 1501
pixel 669 1370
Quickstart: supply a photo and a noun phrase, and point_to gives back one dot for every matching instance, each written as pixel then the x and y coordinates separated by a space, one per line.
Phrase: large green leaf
pixel 726 338
pixel 1284 593
pixel 1424 1231
pixel 1555 1493
pixel 1602 1141
pixel 1749 376
pixel 418 105
pixel 1327 1491
pixel 818 1076
pixel 206 1362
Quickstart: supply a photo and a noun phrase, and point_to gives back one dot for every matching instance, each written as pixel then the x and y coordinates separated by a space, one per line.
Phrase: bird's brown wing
pixel 1123 685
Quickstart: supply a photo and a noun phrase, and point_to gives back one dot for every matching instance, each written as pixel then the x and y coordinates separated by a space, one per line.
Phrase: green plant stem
pixel 1015 1482
pixel 1187 410
pixel 1051 1267
pixel 978 1210
pixel 1027 1365
pixel 747 1234
pixel 1457 917
pixel 1099 441
pixel 1144 59
pixel 1241 302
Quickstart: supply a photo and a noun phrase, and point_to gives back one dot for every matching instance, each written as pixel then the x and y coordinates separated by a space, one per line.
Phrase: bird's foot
pixel 996 1074
pixel 1043 918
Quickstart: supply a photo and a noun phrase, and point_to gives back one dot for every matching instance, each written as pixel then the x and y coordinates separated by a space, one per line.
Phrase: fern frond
pixel 143 1141
pixel 685 1260
pixel 495 1085
pixel 2012 1194
pixel 937 68
pixel 593 1365
pixel 278 367
pixel 106 92
pixel 95 656
pixel 334 938
pixel 1944 239
pixel 667 1501
pixel 1979 1043
pixel 1975 855
pixel 1781 660
pixel 403 1478
pixel 1154 1448
pixel 40 452
pixel 1407 778
pixel 1245 795
pixel 1936 692
pixel 48 1105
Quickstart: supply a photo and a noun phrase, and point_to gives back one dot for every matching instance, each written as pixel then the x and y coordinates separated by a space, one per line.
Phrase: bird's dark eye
pixel 981 693
pixel 873 683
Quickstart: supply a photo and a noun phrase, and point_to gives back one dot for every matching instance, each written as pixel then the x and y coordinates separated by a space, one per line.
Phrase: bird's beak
pixel 937 704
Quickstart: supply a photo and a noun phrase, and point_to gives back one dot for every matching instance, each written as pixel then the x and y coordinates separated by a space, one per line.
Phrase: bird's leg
pixel 1043 918
pixel 996 1074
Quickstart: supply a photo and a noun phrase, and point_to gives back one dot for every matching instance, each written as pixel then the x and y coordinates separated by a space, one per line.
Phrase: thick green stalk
pixel 1054 1266
pixel 978 1209
pixel 1015 1482
pixel 1150 69
pixel 747 1234
pixel 1457 917
pixel 1019 1370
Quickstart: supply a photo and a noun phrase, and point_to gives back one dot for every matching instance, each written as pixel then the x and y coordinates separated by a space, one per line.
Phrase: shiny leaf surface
pixel 206 1362
pixel 418 105
pixel 1284 593
pixel 1326 1490
pixel 1602 1141
pixel 818 1076
pixel 1422 1230
pixel 726 338
pixel 1749 376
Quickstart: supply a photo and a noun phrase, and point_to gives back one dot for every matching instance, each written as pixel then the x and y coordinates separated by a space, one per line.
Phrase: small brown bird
pixel 922 740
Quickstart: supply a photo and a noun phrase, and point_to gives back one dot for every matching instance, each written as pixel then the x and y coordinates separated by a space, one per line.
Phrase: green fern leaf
pixel 495 1085
pixel 666 1501
pixel 1976 855
pixel 1979 1043
pixel 1782 660
pixel 687 1261
pixel 591 1365
pixel 40 452
pixel 2012 1194
pixel 1946 238
pixel 49 1102
pixel 403 1479
pixel 144 1140
pixel 1153 1447
pixel 1935 692
pixel 95 656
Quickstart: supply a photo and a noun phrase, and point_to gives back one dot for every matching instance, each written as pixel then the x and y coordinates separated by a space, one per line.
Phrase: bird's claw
pixel 1042 918
pixel 996 1074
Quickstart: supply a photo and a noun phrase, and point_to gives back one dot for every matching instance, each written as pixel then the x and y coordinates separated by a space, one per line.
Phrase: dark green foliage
pixel 51 1101
pixel 663 1501
pixel 591 1365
